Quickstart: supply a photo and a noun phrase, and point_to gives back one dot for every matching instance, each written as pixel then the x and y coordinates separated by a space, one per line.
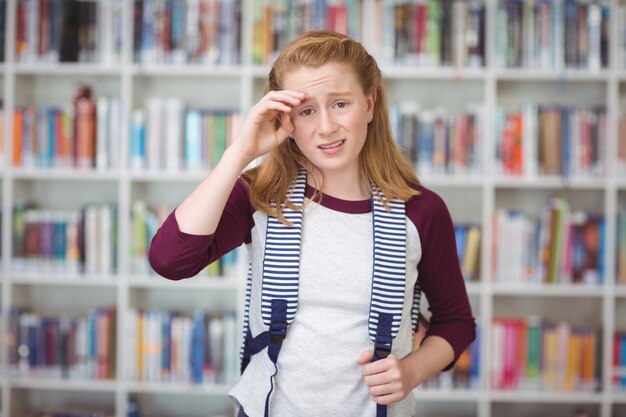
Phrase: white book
pixel 102 132
pixel 594 28
pixel 173 134
pixel 530 139
pixel 91 237
pixel 105 239
pixel 115 132
pixel 231 351
pixel 154 132
pixel 104 22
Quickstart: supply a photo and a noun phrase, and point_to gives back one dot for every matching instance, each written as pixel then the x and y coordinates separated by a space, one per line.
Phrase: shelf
pixel 54 174
pixel 177 388
pixel 405 72
pixel 619 397
pixel 58 384
pixel 60 279
pixel 548 290
pixel 452 181
pixel 168 177
pixel 545 397
pixel 187 70
pixel 445 395
pixel 529 74
pixel 552 182
pixel 620 290
pixel 195 283
pixel 66 69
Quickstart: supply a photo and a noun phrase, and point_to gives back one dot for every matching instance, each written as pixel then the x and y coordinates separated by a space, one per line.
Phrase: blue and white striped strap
pixel 389 269
pixel 281 261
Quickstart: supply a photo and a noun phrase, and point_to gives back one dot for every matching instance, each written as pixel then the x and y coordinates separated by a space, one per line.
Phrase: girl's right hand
pixel 259 134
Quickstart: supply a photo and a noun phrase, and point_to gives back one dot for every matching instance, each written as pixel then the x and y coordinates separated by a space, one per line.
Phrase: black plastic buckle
pixel 278 331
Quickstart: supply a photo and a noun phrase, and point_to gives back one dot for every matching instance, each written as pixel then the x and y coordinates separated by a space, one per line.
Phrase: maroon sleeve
pixel 176 255
pixel 440 274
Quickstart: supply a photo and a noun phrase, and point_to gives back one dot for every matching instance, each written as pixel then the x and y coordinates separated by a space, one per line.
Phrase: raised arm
pixel 200 212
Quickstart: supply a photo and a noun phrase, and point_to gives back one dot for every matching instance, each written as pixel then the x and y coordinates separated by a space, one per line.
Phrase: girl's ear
pixel 371 100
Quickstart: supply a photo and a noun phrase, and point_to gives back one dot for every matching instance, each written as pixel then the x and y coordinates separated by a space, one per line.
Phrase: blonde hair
pixel 381 161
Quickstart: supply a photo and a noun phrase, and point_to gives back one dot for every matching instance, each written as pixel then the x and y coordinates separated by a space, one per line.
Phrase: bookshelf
pixel 471 199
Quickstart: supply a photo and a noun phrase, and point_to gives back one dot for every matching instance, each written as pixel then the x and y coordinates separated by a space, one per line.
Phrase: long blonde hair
pixel 381 162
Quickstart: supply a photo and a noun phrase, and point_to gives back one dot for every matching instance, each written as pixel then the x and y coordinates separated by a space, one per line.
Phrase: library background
pixel 514 111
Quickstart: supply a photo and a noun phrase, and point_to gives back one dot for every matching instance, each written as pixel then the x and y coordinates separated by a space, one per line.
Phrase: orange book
pixel 18 135
pixel 573 364
pixel 550 141
pixel 85 133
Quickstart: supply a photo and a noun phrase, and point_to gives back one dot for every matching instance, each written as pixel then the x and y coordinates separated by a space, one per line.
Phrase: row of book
pixel 53 31
pixel 468 238
pixel 551 140
pixel 438 142
pixel 619 360
pixel 562 246
pixel 537 355
pixel 187 31
pixel 428 33
pixel 167 136
pixel 70 242
pixel 621 141
pixel 551 34
pixel 621 244
pixel 85 135
pixel 76 347
pixel 168 346
pixel 145 221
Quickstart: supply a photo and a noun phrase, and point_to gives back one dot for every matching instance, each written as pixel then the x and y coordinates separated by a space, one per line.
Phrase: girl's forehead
pixel 328 76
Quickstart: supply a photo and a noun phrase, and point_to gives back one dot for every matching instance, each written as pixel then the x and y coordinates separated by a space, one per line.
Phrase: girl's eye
pixel 341 104
pixel 306 112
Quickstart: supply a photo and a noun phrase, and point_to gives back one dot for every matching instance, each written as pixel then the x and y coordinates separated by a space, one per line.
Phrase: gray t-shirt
pixel 318 374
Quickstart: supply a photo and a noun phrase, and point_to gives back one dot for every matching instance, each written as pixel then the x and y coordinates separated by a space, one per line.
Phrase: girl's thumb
pixel 366 357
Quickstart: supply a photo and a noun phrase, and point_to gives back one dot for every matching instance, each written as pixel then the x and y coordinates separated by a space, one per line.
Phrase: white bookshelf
pixel 469 199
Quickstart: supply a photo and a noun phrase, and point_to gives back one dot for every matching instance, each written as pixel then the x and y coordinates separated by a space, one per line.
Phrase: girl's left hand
pixel 388 380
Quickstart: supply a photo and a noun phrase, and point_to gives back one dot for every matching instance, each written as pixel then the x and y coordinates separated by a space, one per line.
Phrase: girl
pixel 342 238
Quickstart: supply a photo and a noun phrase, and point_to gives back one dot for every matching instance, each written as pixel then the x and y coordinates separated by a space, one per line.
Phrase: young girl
pixel 341 238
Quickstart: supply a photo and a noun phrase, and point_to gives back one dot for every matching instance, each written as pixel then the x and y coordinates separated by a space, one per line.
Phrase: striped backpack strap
pixel 281 261
pixel 389 271
pixel 279 294
pixel 388 276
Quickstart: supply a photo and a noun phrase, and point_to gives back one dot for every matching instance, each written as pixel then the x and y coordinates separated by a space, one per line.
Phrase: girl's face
pixel 330 125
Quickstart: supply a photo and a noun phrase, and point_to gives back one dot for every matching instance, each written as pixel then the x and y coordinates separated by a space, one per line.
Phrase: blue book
pixel 197 347
pixel 166 340
pixel 460 233
pixel 474 373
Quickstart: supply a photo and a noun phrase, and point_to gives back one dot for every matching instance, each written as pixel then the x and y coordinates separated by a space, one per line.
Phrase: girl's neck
pixel 349 187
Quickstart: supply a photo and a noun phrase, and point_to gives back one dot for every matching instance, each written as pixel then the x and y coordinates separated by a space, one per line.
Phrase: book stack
pixel 79 347
pixel 537 355
pixel 83 135
pixel 429 33
pixel 69 31
pixel 68 242
pixel 552 34
pixel 562 246
pixel 170 346
pixel 551 140
pixel 167 137
pixel 437 142
pixel 187 31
